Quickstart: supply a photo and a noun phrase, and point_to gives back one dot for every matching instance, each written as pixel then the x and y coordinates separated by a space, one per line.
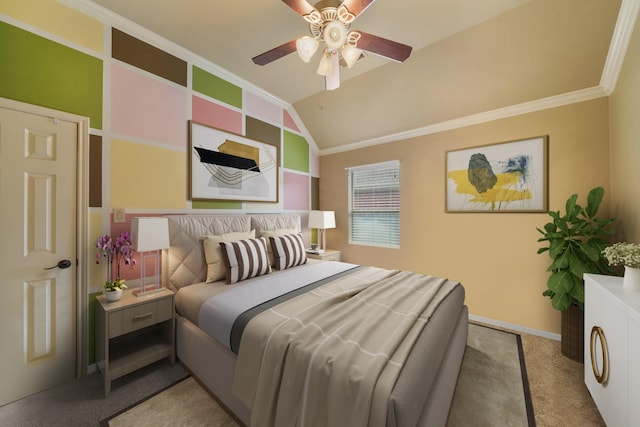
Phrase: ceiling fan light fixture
pixel 335 35
pixel 306 47
pixel 351 54
pixel 330 23
pixel 332 81
pixel 326 65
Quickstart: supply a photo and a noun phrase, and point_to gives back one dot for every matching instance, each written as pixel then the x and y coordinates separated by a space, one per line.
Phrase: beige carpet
pixel 184 404
pixel 492 390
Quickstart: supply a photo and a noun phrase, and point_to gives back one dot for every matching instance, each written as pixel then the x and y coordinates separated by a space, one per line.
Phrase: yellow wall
pixel 160 181
pixel 625 145
pixel 55 18
pixel 492 254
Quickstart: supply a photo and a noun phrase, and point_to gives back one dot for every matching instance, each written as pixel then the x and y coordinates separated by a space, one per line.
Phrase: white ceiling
pixel 230 33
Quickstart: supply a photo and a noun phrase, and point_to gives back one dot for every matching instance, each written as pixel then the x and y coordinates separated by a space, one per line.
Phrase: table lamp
pixel 149 236
pixel 322 220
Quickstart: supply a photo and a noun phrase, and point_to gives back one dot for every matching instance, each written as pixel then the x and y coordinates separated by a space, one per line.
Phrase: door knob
pixel 65 263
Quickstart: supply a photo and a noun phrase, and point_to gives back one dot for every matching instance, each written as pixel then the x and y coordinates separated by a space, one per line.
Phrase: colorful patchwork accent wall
pixel 140 92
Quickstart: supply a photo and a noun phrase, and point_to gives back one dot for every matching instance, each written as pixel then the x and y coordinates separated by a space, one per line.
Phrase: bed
pixel 259 362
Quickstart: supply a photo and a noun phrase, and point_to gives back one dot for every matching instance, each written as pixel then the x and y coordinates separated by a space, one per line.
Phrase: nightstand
pixel 133 332
pixel 327 255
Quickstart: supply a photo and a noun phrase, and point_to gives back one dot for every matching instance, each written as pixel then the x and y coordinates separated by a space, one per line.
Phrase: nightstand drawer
pixel 140 316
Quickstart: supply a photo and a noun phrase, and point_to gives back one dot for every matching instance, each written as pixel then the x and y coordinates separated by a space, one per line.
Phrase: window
pixel 374 204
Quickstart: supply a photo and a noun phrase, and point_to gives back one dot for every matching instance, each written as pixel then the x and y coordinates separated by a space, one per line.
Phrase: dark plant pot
pixel 572 340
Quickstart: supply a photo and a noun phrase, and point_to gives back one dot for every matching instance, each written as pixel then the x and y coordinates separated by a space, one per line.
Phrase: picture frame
pixel 503 177
pixel 224 166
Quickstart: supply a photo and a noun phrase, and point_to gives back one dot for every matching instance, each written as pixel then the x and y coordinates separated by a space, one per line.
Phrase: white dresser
pixel 612 349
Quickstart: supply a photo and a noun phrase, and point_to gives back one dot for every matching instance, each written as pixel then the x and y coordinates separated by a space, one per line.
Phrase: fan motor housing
pixel 329 15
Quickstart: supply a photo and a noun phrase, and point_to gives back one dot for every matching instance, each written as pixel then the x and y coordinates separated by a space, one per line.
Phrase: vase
pixel 631 279
pixel 113 295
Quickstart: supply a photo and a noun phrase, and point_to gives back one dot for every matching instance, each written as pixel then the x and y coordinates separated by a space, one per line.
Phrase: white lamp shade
pixel 149 234
pixel 306 47
pixel 326 64
pixel 322 219
pixel 335 34
pixel 351 54
pixel 332 81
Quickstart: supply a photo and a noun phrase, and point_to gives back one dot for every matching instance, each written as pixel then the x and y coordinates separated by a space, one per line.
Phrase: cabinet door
pixel 604 310
pixel 633 339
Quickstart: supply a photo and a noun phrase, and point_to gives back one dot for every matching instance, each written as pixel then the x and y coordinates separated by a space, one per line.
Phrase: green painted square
pixel 91 354
pixel 42 72
pixel 296 152
pixel 215 87
pixel 201 204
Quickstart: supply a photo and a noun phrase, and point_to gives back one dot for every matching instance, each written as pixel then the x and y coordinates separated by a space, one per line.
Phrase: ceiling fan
pixel 330 22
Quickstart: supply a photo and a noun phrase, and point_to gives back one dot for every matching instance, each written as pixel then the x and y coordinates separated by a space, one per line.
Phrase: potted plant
pixel 575 243
pixel 627 254
pixel 115 252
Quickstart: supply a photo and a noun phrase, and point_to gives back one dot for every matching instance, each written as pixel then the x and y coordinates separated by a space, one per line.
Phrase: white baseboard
pixel 515 327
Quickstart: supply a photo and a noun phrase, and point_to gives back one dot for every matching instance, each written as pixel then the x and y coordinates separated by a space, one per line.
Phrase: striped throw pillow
pixel 288 251
pixel 245 259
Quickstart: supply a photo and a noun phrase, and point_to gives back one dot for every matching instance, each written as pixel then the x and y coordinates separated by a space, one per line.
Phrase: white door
pixel 37 231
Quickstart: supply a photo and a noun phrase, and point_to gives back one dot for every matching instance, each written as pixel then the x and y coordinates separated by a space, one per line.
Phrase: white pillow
pixel 245 259
pixel 213 255
pixel 275 233
pixel 288 251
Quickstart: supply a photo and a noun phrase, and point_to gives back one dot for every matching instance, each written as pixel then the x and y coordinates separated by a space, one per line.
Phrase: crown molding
pixel 619 43
pixel 620 39
pixel 475 119
pixel 625 23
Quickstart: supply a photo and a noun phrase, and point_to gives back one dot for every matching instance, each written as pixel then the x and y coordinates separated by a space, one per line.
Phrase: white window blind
pixel 374 204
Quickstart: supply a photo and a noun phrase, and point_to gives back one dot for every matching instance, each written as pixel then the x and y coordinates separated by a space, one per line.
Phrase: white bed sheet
pixel 190 298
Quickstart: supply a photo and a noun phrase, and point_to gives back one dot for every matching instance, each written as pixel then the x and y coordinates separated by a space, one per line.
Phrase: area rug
pixel 492 390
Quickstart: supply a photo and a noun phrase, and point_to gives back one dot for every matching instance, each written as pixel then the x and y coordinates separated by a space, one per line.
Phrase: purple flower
pixel 119 251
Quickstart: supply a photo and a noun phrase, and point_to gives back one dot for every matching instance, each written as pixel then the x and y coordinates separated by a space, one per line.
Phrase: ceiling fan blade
pixel 302 7
pixel 275 53
pixel 357 6
pixel 383 47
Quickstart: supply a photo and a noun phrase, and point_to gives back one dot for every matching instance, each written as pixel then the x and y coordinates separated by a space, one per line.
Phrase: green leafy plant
pixel 114 285
pixel 575 243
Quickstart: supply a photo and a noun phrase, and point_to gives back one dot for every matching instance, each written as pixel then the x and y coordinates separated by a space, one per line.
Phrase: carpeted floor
pixel 82 403
pixel 559 395
pixel 184 404
pixel 492 390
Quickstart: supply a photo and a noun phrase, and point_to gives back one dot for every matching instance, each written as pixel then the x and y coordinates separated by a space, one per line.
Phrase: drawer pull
pixel 601 377
pixel 143 316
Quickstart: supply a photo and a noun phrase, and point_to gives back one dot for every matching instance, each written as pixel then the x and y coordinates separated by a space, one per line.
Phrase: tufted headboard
pixel 185 262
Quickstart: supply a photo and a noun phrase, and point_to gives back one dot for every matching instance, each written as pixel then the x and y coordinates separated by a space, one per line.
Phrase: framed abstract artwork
pixel 503 177
pixel 226 166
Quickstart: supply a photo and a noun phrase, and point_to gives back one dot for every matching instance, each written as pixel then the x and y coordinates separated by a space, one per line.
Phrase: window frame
pixel 393 242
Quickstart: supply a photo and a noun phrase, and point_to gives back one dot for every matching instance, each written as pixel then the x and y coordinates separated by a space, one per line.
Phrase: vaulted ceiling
pixel 469 57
